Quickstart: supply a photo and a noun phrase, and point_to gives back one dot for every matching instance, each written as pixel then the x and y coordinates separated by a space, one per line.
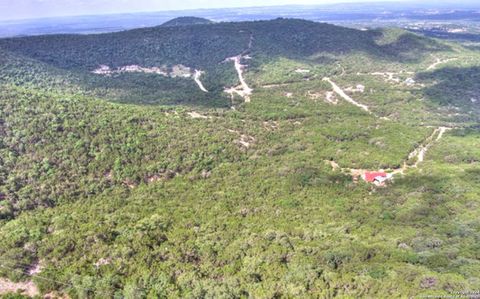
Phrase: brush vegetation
pixel 114 190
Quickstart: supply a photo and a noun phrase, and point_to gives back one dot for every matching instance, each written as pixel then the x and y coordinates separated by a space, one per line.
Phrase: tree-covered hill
pixel 186 21
pixel 120 177
pixel 205 47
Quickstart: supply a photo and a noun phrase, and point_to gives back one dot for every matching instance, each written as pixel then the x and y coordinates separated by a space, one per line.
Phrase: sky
pixel 27 9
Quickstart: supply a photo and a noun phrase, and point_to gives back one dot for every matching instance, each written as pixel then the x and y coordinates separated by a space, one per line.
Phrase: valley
pixel 222 160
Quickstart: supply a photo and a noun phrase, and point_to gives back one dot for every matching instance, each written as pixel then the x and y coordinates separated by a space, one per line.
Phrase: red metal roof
pixel 370 176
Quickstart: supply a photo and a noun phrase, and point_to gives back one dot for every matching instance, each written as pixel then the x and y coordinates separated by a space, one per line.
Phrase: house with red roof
pixel 375 177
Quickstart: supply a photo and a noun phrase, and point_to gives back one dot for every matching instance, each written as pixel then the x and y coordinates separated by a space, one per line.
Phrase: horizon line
pixel 347 2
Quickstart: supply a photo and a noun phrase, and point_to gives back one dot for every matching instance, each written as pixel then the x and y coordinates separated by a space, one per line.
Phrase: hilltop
pixel 206 48
pixel 226 160
pixel 186 21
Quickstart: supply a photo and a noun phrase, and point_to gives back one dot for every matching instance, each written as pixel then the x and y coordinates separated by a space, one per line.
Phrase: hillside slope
pixel 139 59
pixel 121 177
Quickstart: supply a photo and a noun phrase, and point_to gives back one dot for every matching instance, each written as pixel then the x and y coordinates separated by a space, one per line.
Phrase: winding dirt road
pixel 196 77
pixel 243 90
pixel 438 62
pixel 419 153
pixel 347 98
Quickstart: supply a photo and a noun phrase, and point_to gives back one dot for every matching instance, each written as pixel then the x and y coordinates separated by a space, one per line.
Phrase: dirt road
pixel 342 94
pixel 243 89
pixel 196 77
pixel 438 62
pixel 418 154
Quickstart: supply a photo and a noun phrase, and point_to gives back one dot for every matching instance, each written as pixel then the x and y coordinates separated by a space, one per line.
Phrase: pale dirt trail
pixel 442 132
pixel 438 62
pixel 347 98
pixel 419 153
pixel 194 114
pixel 196 77
pixel 250 44
pixel 243 89
pixel 267 86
